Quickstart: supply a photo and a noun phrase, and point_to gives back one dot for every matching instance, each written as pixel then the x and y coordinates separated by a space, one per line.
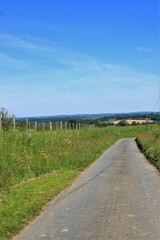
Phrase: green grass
pixel 24 202
pixel 149 143
pixel 36 167
pixel 24 156
pixel 128 131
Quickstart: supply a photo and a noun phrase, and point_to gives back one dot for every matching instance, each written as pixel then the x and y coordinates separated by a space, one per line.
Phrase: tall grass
pixel 29 155
pixel 149 143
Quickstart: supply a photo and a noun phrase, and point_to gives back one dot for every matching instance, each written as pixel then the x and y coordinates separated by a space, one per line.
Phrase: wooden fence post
pixel 61 126
pixel 50 126
pixel 0 121
pixel 27 124
pixel 35 126
pixel 14 123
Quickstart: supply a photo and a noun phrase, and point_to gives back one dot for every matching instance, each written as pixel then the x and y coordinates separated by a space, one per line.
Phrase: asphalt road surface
pixel 116 198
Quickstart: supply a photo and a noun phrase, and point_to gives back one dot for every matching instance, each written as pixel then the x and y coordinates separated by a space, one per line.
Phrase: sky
pixel 79 56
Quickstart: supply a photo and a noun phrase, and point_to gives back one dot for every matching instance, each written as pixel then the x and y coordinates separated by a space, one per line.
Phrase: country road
pixel 116 198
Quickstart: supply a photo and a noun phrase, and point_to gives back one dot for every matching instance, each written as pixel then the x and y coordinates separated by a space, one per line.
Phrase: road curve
pixel 116 198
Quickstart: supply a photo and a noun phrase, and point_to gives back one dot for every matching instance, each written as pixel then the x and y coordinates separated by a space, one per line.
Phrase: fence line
pixel 12 124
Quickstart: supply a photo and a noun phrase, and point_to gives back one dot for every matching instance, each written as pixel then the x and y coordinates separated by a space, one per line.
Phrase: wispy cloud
pixel 55 75
pixel 8 61
pixel 41 24
pixel 144 49
pixel 20 43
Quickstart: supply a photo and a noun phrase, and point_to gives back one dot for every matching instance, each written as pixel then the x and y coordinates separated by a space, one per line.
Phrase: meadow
pixel 29 155
pixel 36 166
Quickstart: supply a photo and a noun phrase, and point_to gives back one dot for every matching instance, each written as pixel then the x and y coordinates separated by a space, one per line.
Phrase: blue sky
pixel 79 56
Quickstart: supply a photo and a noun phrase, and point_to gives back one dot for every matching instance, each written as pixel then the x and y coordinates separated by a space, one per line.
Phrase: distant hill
pixel 95 118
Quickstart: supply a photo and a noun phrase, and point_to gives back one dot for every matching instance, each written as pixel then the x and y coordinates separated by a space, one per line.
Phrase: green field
pixel 34 167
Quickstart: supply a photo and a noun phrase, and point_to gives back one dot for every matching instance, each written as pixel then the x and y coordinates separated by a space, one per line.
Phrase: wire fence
pixel 13 124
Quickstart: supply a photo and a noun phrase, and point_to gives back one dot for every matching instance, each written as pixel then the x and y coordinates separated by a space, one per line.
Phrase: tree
pixel 123 123
pixel 5 119
pixel 73 122
pixel 134 123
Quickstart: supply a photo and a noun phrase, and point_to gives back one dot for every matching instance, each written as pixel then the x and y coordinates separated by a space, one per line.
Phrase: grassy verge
pixel 36 167
pixel 149 143
pixel 24 202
